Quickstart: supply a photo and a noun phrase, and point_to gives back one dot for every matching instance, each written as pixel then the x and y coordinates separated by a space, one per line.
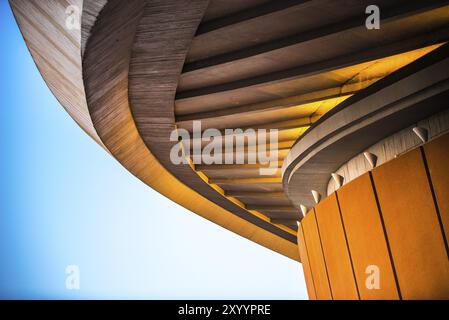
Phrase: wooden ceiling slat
pixel 276 104
pixel 282 215
pixel 285 138
pixel 294 123
pixel 281 154
pixel 258 180
pixel 272 208
pixel 239 174
pixel 288 222
pixel 203 167
pixel 280 145
pixel 253 194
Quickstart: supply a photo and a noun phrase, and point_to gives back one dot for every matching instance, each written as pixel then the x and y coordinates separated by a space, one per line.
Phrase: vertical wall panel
pixel 335 250
pixel 437 155
pixel 305 264
pixel 316 258
pixel 412 227
pixel 366 238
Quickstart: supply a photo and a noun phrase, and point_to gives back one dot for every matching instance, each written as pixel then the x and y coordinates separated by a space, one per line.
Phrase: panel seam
pixel 308 258
pixel 384 230
pixel 347 246
pixel 322 252
pixel 434 198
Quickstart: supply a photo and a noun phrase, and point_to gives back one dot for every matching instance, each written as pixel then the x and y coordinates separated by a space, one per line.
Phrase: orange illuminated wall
pixel 384 234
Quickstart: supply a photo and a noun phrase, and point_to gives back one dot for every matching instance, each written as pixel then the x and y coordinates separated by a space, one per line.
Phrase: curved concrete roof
pixel 134 71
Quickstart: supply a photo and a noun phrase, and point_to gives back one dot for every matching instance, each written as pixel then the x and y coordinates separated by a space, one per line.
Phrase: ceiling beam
pixel 248 14
pixel 322 66
pixel 303 122
pixel 275 173
pixel 281 155
pixel 254 194
pixel 245 151
pixel 258 180
pixel 277 104
pixel 223 137
pixel 272 208
pixel 205 167
pixel 280 145
pixel 285 221
pixel 293 123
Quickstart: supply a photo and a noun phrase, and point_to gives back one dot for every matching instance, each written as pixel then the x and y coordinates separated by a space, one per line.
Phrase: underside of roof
pixel 135 71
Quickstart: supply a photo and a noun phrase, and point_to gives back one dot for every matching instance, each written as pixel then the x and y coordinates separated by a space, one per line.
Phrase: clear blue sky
pixel 65 201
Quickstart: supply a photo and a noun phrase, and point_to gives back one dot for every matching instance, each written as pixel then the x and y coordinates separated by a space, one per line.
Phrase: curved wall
pixel 390 224
pixel 389 148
